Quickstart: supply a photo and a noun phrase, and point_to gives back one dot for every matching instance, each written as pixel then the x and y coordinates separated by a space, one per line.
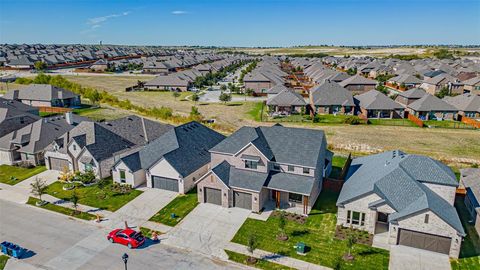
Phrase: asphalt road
pixel 59 242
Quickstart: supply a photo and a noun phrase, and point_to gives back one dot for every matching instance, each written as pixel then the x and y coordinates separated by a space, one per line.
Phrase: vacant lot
pixel 451 145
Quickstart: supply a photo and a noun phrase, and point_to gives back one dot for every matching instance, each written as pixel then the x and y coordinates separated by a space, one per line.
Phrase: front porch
pixel 288 201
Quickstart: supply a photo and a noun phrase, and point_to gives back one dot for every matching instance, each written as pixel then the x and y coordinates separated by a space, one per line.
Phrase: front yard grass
pixel 180 206
pixel 470 250
pixel 62 210
pixel 105 198
pixel 392 122
pixel 3 261
pixel 260 264
pixel 148 232
pixel 13 175
pixel 318 233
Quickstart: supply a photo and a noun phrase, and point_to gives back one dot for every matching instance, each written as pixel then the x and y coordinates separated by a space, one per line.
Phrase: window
pixel 291 168
pixel 293 197
pixel 306 171
pixel 355 218
pixel 250 164
pixel 88 167
pixel 276 167
pixel 426 218
pixel 122 176
pixel 74 147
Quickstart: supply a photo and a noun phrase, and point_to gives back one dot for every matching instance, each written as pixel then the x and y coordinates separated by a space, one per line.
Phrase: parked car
pixel 127 237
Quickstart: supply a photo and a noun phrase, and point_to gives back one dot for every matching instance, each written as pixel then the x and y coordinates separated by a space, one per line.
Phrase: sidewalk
pixel 275 258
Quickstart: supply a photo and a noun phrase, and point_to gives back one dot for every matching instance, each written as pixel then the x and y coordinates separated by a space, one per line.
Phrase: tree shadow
pixel 300 232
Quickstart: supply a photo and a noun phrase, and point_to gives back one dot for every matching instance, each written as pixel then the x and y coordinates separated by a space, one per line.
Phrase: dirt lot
pixel 446 144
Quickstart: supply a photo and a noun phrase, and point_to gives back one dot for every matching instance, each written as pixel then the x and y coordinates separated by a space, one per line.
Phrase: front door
pixel 382 217
pixel 276 198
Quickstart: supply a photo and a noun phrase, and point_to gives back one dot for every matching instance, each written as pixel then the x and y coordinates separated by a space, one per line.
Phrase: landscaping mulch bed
pixel 363 237
pixel 291 217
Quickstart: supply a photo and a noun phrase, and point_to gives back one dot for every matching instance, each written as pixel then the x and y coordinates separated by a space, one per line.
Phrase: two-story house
pixel 404 200
pixel 276 165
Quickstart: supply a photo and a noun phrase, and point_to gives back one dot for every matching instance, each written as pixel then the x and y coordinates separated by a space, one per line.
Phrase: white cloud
pixel 179 12
pixel 96 22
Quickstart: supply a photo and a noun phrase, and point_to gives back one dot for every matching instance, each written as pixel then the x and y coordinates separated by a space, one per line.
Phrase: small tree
pixel 39 188
pixel 223 87
pixel 443 92
pixel 282 222
pixel 175 95
pixel 352 238
pixel 252 245
pixel 224 97
pixel 74 200
pixel 195 114
pixel 195 97
pixel 40 65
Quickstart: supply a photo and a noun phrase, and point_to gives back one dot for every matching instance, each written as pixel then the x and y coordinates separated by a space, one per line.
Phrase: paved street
pixel 60 242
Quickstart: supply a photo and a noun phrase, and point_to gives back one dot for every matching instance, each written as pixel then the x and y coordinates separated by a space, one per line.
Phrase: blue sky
pixel 241 22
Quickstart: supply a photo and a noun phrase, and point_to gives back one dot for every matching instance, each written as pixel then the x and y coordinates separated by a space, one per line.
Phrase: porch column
pixel 305 205
pixel 277 198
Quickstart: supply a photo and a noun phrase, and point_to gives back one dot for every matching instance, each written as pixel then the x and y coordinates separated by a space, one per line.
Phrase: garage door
pixel 213 196
pixel 425 241
pixel 242 200
pixel 58 164
pixel 165 183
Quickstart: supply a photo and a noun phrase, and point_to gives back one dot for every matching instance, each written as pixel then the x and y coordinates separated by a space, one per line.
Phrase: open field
pixel 450 145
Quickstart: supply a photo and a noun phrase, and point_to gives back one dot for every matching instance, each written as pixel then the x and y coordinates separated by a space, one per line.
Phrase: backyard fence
pixel 415 120
pixel 471 122
pixel 54 110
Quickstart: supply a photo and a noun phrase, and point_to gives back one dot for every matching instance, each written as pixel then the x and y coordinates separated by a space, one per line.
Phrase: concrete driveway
pixel 402 257
pixel 207 229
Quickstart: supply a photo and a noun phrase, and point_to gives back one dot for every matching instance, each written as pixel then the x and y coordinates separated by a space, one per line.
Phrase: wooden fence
pixel 415 120
pixel 331 184
pixel 470 121
pixel 54 109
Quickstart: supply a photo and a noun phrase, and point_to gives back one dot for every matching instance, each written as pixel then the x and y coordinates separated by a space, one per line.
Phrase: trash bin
pixel 172 215
pixel 300 248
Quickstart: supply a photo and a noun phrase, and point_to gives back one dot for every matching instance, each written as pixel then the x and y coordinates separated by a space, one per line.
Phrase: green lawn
pixel 147 232
pixel 20 174
pixel 3 261
pixel 337 165
pixel 470 250
pixel 93 196
pixel 62 210
pixel 446 124
pixel 256 112
pixel 180 206
pixel 260 264
pixel 318 233
pixel 392 122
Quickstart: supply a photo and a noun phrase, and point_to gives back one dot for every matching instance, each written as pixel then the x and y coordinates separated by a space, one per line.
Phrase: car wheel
pixel 129 246
pixel 111 240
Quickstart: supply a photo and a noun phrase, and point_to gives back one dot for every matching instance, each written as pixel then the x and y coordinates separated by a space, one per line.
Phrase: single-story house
pixel 331 98
pixel 45 95
pixel 171 82
pixel 257 168
pixel 467 105
pixel 174 161
pixel 286 102
pixel 374 104
pixel 409 96
pixel 472 86
pixel 407 198
pixel 358 84
pixel 405 81
pixel 432 108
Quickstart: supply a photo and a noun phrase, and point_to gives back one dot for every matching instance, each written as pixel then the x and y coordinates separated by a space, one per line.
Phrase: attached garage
pixel 424 241
pixel 213 196
pixel 242 200
pixel 165 183
pixel 58 164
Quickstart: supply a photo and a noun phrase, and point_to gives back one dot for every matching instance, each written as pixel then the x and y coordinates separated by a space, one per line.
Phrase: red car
pixel 127 237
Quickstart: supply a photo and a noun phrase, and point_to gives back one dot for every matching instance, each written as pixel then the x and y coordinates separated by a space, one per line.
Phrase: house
pixel 267 167
pixel 171 82
pixel 15 115
pixel 432 108
pixel 258 82
pixel 407 199
pixel 99 65
pixel 467 105
pixel 45 95
pixel 472 86
pixel 470 179
pixel 330 98
pixel 374 104
pixel 409 96
pixel 174 161
pixel 28 143
pixel 275 90
pixel 405 81
pixel 286 102
pixel 435 84
pixel 358 84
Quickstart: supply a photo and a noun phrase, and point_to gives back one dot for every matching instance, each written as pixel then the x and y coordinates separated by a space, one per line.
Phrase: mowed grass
pixel 318 233
pixel 260 264
pixel 12 175
pixel 93 196
pixel 3 261
pixel 337 165
pixel 470 250
pixel 446 124
pixel 180 206
pixel 392 122
pixel 62 210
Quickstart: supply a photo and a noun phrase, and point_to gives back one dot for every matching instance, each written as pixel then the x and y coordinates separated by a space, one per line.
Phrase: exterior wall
pixel 298 170
pixel 330 109
pixel 446 192
pixel 134 179
pixel 477 224
pixel 163 169
pixel 189 181
pixel 211 181
pixel 6 157
pixel 435 226
pixel 360 205
pixel 251 150
pixel 37 103
pixel 258 86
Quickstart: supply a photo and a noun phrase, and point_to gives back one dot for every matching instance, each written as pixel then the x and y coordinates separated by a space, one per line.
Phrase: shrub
pixel 352 120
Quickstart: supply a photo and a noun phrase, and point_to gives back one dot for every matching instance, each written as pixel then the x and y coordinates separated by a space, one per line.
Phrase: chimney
pixel 69 118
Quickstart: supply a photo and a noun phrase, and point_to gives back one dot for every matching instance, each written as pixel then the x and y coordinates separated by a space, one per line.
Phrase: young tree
pixel 195 97
pixel 38 188
pixel 175 95
pixel 74 200
pixel 40 65
pixel 224 97
pixel 223 87
pixel 252 245
pixel 282 222
pixel 352 239
pixel 195 114
pixel 443 92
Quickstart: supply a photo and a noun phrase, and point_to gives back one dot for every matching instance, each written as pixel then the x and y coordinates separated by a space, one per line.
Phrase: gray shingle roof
pixel 294 183
pixel 287 98
pixel 374 100
pixel 465 102
pixel 413 93
pixel 41 92
pixel 243 179
pixel 297 146
pixel 331 93
pixel 399 179
pixel 357 80
pixel 431 103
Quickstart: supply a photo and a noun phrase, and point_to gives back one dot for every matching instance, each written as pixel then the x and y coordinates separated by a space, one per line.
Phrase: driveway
pixel 207 229
pixel 402 257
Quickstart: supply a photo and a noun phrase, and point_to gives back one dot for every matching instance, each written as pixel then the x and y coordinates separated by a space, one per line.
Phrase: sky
pixel 246 23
